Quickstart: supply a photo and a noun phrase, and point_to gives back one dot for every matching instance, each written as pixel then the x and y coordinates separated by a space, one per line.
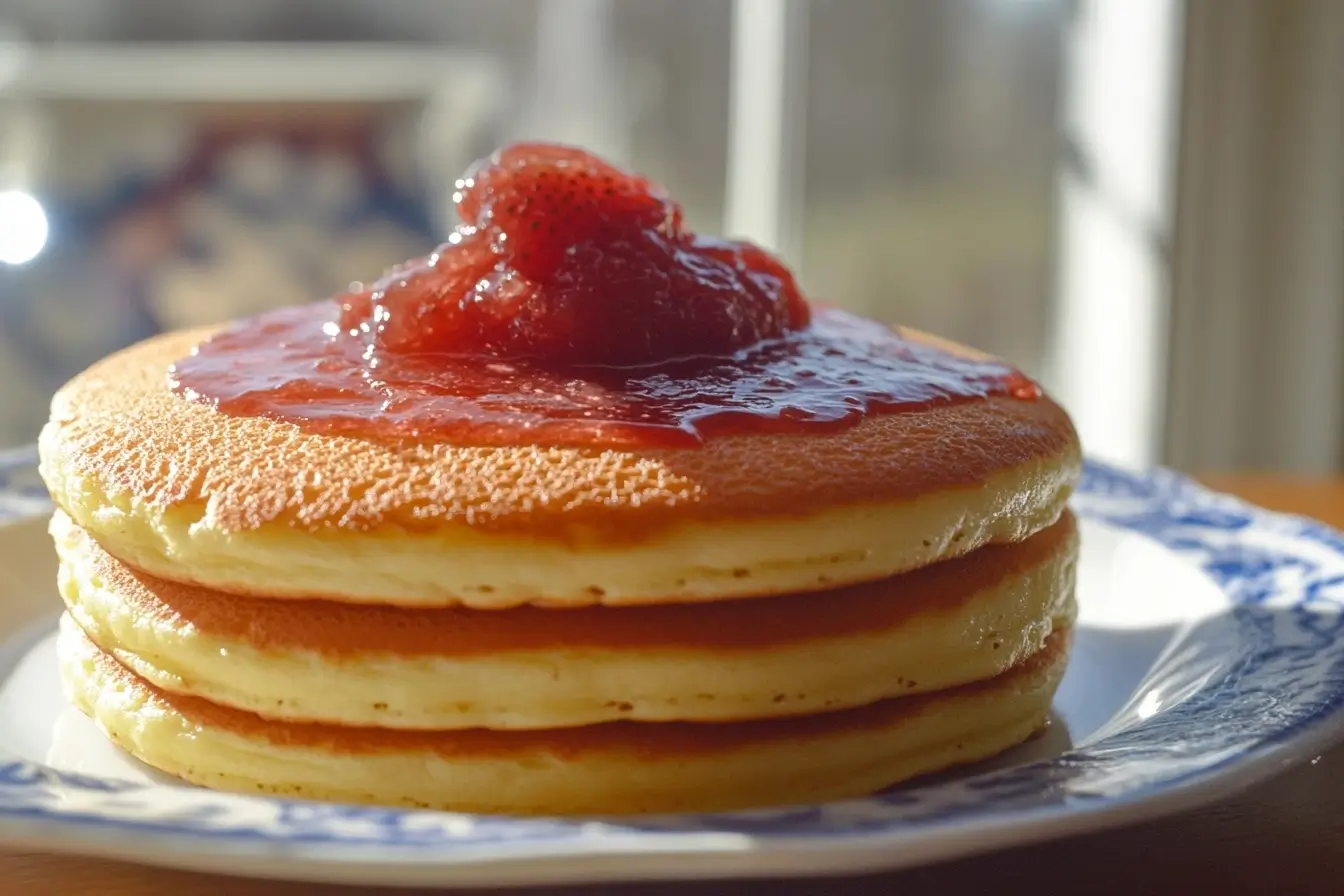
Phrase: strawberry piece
pixel 565 258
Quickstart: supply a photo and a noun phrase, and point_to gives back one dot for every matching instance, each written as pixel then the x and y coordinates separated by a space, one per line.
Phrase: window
pixel 200 160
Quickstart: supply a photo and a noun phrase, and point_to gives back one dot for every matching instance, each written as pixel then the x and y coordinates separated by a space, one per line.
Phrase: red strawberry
pixel 566 258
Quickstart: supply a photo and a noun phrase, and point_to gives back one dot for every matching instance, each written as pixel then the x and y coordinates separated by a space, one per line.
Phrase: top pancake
pixel 261 507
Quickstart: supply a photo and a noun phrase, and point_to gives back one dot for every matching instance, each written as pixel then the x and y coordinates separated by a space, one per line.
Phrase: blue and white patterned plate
pixel 1210 653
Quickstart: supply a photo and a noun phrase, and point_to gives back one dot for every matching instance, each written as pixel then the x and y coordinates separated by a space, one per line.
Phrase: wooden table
pixel 1286 834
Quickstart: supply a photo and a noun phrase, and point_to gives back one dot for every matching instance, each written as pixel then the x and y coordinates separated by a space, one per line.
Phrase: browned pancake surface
pixel 651 740
pixel 119 425
pixel 337 629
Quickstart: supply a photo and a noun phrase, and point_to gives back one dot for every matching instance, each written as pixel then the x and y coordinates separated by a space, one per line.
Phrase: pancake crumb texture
pixel 763 620
pixel 939 627
pixel 620 767
pixel 254 506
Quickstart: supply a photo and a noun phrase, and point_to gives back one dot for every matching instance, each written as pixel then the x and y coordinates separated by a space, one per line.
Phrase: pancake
pixel 618 767
pixel 253 506
pixel 956 622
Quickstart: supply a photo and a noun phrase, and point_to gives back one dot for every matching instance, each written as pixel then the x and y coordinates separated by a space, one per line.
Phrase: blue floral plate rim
pixel 1263 687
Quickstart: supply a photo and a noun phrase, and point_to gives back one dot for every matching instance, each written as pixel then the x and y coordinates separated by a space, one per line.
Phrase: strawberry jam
pixel 572 306
pixel 565 259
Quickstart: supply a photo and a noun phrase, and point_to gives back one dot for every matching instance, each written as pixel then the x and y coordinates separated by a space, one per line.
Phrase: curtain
pixel 1256 347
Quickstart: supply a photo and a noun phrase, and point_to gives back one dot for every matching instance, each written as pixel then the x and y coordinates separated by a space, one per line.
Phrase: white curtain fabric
pixel 1256 349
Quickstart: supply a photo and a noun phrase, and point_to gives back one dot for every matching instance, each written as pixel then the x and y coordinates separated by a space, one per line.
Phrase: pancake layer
pixel 957 622
pixel 257 507
pixel 618 767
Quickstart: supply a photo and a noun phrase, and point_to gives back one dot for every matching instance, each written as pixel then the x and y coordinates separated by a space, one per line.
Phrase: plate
pixel 1209 655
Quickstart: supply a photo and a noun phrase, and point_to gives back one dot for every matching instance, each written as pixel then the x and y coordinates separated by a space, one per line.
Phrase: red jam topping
pixel 573 307
pixel 565 259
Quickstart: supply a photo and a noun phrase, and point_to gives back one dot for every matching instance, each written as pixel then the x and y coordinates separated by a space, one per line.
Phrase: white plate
pixel 1210 653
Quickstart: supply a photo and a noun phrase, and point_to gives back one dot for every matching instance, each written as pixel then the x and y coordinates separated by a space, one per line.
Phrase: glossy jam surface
pixel 573 307
pixel 286 366
pixel 566 259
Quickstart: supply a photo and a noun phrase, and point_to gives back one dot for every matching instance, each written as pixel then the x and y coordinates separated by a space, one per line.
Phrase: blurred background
pixel 1139 201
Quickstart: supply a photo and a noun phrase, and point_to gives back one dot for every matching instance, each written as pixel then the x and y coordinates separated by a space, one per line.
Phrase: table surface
pixel 1288 833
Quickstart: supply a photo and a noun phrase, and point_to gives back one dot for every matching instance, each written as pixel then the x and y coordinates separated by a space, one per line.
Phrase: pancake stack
pixel 762 620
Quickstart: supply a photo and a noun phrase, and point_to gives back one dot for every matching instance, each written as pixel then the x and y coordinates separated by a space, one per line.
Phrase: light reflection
pixel 23 227
pixel 1150 705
